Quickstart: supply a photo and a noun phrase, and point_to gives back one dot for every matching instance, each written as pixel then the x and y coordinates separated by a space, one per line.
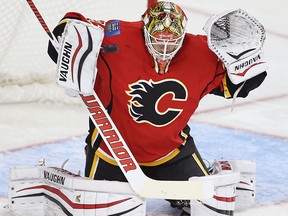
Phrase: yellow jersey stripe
pixel 94 166
pixel 226 90
pixel 185 136
pixel 62 21
pixel 199 164
pixel 162 160
pixel 93 137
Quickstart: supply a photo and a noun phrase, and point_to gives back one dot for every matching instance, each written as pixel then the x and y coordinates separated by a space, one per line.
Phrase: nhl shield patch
pixel 113 28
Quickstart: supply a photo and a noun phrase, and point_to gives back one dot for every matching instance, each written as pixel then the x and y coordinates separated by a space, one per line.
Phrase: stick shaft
pixel 40 19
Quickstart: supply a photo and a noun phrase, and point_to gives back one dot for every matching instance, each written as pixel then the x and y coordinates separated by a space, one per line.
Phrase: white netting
pixel 26 72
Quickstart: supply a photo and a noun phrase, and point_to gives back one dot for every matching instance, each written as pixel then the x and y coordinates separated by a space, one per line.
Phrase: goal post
pixel 27 74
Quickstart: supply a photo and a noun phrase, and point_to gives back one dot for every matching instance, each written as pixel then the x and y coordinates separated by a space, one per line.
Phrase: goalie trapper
pixel 237 38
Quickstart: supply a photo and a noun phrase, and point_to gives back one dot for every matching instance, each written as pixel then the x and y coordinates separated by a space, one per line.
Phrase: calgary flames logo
pixel 148 103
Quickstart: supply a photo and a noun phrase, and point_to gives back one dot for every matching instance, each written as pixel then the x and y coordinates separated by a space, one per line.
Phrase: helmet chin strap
pixel 161 66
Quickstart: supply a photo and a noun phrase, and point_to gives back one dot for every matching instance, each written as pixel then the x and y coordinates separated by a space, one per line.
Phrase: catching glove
pixel 237 39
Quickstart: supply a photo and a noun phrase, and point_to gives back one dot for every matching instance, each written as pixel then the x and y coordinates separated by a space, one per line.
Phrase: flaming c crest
pixel 145 99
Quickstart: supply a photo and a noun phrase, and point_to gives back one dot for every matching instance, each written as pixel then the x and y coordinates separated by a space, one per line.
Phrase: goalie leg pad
pixel 245 188
pixel 45 191
pixel 223 202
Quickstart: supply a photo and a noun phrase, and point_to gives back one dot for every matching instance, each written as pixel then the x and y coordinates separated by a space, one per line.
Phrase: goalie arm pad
pixel 227 89
pixel 237 39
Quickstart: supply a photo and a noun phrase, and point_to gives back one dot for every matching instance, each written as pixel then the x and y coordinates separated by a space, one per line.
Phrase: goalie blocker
pixel 79 49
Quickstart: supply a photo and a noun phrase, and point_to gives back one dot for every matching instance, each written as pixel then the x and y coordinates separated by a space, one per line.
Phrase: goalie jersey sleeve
pixel 227 89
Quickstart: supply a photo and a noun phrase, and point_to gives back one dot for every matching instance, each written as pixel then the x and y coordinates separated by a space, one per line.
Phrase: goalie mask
pixel 164 31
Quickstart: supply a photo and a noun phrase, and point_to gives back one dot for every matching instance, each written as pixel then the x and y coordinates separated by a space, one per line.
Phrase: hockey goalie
pixel 141 82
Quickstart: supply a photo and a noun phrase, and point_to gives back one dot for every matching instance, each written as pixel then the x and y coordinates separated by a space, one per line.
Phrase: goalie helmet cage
pixel 27 74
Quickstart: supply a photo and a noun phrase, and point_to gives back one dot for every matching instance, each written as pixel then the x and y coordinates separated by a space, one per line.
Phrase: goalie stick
pixel 195 188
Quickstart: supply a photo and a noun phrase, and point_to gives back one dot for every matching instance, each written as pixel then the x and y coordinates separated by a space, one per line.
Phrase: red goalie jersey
pixel 152 110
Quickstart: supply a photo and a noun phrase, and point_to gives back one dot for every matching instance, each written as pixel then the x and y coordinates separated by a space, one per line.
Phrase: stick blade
pixel 193 189
pixel 197 188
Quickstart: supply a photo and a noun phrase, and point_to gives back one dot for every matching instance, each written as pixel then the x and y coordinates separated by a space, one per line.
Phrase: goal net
pixel 27 74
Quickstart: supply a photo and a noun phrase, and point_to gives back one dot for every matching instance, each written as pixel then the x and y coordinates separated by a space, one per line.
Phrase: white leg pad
pixel 245 189
pixel 223 202
pixel 48 191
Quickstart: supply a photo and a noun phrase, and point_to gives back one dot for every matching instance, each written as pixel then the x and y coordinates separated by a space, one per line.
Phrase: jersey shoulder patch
pixel 112 28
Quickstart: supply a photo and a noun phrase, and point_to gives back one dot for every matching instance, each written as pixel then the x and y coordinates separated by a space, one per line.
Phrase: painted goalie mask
pixel 164 31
